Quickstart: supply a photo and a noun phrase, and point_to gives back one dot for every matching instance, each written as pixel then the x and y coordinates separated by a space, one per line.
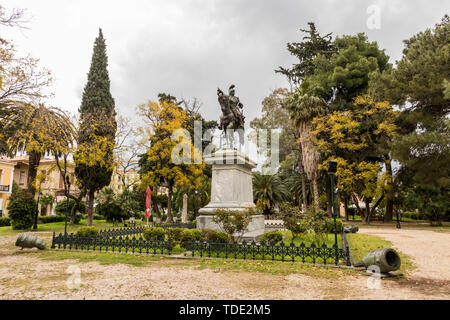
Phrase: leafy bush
pixel 272 237
pixel 294 220
pixel 189 235
pixel 22 209
pixel 112 211
pixel 214 236
pixel 153 233
pixel 330 225
pixel 88 232
pixel 413 215
pixel 174 233
pixel 318 221
pixel 50 219
pixel 61 208
pixel 98 217
pixel 5 221
pixel 232 221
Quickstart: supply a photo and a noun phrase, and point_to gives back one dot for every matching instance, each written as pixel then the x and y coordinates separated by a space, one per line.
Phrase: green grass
pixel 310 238
pixel 104 258
pixel 56 227
pixel 269 267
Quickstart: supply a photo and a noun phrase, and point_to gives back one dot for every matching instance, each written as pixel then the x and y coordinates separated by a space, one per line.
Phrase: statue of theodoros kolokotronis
pixel 232 118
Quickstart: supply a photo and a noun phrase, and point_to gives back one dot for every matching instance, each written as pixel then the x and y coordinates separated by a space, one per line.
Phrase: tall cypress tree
pixel 97 128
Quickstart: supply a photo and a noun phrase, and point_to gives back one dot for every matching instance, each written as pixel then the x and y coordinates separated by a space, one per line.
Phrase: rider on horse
pixel 233 104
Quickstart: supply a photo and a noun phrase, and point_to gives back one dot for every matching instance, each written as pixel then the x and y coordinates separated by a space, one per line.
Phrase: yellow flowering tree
pixel 171 159
pixel 359 139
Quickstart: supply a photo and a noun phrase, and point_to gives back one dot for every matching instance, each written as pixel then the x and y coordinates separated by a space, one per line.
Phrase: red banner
pixel 148 202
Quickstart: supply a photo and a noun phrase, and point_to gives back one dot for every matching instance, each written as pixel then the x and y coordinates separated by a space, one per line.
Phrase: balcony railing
pixel 4 188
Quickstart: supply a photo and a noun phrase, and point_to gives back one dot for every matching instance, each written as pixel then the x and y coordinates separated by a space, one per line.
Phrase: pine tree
pixel 97 128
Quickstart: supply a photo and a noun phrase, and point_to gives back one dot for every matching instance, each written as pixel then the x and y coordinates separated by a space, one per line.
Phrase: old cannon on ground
pixel 351 229
pixel 385 259
pixel 26 240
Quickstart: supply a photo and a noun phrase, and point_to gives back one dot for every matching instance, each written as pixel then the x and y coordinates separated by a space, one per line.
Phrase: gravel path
pixel 29 277
pixel 429 250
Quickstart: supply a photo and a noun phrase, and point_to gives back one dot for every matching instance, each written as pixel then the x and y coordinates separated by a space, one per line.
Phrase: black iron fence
pixel 262 251
pixel 117 232
pixel 274 225
pixel 187 225
pixel 124 231
pixel 118 244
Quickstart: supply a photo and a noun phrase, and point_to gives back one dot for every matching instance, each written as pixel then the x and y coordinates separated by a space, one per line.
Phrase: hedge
pixel 5 221
pixel 88 232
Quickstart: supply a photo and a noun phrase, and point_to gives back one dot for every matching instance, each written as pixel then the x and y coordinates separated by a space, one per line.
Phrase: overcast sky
pixel 188 48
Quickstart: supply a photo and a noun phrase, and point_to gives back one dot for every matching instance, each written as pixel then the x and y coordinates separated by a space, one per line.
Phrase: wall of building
pixel 6 175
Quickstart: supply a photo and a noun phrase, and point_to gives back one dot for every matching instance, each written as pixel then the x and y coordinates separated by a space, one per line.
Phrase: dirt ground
pixel 29 277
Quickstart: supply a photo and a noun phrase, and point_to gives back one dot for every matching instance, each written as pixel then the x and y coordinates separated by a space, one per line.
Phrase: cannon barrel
pixel 351 229
pixel 26 240
pixel 386 259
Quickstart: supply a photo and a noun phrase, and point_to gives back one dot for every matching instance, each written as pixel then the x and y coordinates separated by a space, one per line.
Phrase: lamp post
pixel 37 211
pixel 332 168
pixel 396 210
pixel 67 209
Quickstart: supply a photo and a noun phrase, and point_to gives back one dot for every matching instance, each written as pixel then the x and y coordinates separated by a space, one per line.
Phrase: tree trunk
pixel 90 207
pixel 355 200
pixel 304 195
pixel 329 200
pixel 389 194
pixel 33 163
pixel 367 209
pixel 346 207
pixel 310 158
pixel 72 217
pixel 169 203
pixel 156 209
pixel 315 193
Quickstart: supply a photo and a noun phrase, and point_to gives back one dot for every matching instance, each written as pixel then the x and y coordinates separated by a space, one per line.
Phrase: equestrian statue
pixel 232 117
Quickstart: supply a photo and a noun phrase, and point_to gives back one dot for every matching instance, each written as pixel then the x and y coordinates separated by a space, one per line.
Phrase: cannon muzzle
pixel 26 240
pixel 351 229
pixel 385 259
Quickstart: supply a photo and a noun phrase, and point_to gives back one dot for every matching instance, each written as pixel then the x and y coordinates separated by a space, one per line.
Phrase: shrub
pixel 111 210
pixel 189 235
pixel 5 221
pixel 22 210
pixel 174 233
pixel 214 236
pixel 54 218
pixel 272 237
pixel 194 223
pixel 98 217
pixel 232 221
pixel 330 225
pixel 153 233
pixel 61 208
pixel 294 220
pixel 88 232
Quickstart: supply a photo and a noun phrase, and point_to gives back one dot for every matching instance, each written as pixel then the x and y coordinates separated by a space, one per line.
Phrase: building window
pixel 22 178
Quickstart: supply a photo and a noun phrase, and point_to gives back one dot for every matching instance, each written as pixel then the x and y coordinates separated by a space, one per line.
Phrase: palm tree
pixel 36 130
pixel 303 107
pixel 268 190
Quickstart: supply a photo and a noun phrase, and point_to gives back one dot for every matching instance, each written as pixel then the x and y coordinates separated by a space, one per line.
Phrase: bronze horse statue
pixel 231 118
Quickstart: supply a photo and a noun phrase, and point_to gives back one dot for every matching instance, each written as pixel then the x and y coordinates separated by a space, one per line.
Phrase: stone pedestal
pixel 231 189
